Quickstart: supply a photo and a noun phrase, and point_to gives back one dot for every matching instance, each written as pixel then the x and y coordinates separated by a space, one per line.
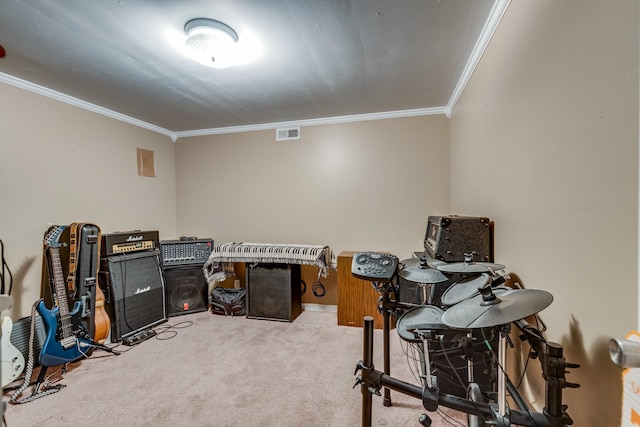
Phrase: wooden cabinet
pixel 356 297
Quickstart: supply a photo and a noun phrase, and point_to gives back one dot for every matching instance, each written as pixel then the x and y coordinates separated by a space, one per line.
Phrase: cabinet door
pixel 356 297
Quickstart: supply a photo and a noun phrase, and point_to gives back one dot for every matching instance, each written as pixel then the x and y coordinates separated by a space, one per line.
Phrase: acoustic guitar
pixel 102 322
pixel 11 358
pixel 65 333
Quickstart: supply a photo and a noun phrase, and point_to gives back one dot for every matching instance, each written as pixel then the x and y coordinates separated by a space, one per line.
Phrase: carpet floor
pixel 203 369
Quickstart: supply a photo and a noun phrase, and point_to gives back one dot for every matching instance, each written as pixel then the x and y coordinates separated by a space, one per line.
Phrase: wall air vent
pixel 284 134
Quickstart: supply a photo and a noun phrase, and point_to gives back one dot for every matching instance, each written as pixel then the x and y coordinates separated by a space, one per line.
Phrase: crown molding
pixel 499 8
pixel 316 122
pixel 58 96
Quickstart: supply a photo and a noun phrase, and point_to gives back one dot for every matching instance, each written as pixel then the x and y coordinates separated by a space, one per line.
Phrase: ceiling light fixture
pixel 211 43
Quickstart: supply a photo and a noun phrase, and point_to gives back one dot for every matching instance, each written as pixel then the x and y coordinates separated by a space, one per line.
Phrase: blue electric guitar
pixel 65 332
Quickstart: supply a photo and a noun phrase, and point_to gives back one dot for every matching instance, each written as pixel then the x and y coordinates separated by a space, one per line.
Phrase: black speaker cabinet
pixel 135 292
pixel 273 291
pixel 186 289
pixel 449 238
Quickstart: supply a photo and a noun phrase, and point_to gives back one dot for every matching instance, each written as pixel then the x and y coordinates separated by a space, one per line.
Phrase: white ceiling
pixel 322 59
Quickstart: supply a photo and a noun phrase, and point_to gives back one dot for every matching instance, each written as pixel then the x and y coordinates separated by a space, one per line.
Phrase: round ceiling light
pixel 211 43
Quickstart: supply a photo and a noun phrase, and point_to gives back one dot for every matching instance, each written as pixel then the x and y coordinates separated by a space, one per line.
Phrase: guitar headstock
pixel 51 239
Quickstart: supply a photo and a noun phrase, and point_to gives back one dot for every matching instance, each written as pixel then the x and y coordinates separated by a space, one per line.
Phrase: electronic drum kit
pixel 477 301
pixel 472 320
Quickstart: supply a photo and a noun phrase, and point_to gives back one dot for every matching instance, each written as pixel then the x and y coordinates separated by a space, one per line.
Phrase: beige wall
pixel 356 186
pixel 60 164
pixel 544 141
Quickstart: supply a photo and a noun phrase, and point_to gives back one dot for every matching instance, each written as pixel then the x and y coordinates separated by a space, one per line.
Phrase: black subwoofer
pixel 135 292
pixel 186 289
pixel 273 291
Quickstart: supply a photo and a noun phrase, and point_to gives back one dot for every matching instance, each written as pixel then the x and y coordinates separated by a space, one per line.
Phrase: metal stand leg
pixel 386 326
pixel 367 363
pixel 470 373
pixel 555 369
pixel 502 376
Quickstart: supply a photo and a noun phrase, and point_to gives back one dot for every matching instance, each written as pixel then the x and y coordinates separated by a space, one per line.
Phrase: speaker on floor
pixel 273 291
pixel 186 289
pixel 134 288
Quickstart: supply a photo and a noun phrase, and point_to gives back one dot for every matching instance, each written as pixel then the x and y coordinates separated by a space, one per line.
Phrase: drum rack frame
pixel 553 364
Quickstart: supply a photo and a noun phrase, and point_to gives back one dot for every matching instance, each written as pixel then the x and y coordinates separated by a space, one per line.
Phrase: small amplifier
pixel 128 241
pixel 448 238
pixel 185 252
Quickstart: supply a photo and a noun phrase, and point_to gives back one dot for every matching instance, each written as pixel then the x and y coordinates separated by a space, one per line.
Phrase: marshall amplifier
pixel 448 238
pixel 128 241
pixel 134 288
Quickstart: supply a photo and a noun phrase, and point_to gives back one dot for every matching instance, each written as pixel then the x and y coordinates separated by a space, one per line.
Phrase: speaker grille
pixel 135 292
pixel 449 238
pixel 20 334
pixel 273 291
pixel 186 290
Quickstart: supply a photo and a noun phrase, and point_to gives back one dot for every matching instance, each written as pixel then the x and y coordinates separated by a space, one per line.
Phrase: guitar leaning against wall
pixel 65 334
pixel 67 339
